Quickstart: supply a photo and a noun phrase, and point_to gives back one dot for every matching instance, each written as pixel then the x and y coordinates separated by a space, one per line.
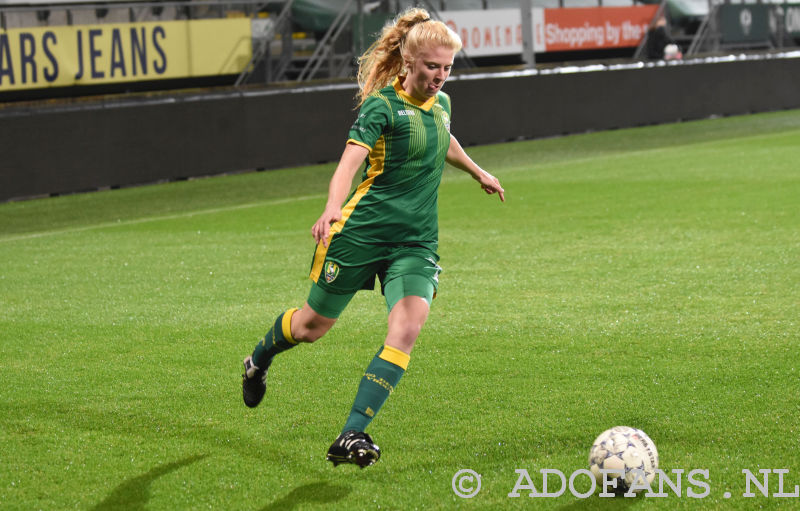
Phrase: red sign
pixel 499 31
pixel 593 28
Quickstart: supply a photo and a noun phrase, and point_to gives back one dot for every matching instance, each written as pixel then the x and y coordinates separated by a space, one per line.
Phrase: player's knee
pixel 312 329
pixel 309 326
pixel 410 332
pixel 310 335
pixel 403 336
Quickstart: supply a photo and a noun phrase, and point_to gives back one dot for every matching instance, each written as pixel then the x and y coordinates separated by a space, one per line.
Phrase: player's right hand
pixel 322 227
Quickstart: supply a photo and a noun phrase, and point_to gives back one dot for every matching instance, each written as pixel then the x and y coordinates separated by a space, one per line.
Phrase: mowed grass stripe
pixel 160 218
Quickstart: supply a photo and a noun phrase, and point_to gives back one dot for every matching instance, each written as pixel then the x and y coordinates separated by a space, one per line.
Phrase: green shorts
pixel 402 271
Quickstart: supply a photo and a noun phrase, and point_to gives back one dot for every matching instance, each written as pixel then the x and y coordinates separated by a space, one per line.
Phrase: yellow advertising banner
pixel 38 57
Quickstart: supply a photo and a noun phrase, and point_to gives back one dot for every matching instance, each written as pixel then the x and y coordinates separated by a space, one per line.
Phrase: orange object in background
pixel 593 28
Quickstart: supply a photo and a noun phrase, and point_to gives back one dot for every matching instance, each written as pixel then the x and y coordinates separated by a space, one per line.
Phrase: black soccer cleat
pixel 254 383
pixel 354 447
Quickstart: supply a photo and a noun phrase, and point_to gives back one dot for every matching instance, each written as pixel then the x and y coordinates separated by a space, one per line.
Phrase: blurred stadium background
pixel 216 85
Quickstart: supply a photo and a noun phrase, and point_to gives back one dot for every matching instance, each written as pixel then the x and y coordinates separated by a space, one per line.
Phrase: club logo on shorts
pixel 331 271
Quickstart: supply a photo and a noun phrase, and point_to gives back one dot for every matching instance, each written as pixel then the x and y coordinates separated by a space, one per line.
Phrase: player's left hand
pixel 491 184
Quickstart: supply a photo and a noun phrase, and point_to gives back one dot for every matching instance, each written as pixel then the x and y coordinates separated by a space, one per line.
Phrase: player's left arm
pixel 458 158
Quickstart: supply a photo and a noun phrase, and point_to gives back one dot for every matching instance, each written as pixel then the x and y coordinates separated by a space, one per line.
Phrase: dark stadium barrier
pixel 557 104
pixel 55 149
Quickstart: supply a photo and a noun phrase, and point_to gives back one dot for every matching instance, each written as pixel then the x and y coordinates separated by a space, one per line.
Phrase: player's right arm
pixel 351 160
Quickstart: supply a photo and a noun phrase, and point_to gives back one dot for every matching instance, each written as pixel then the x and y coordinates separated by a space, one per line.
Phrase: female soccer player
pixel 388 226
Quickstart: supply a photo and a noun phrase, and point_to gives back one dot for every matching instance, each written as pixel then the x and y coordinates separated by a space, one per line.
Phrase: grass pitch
pixel 645 277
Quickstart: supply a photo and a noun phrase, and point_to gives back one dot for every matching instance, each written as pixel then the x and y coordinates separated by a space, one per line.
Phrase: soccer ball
pixel 628 450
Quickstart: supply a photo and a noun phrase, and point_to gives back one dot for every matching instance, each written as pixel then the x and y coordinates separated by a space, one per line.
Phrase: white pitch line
pixel 144 220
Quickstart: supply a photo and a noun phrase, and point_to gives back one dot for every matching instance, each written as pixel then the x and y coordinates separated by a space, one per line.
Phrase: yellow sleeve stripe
pixel 395 356
pixel 286 325
pixel 377 157
pixel 356 142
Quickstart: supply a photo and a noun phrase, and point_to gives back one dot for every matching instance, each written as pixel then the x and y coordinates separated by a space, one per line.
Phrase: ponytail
pixel 400 41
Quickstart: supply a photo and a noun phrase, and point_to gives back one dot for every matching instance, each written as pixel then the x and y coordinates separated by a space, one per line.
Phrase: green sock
pixel 278 339
pixel 380 379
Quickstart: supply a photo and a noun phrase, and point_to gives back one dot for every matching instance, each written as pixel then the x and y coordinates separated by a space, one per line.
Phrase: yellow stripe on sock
pixel 286 325
pixel 395 356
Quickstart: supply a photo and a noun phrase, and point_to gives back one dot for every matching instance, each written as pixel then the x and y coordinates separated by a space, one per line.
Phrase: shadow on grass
pixel 134 493
pixel 594 502
pixel 318 493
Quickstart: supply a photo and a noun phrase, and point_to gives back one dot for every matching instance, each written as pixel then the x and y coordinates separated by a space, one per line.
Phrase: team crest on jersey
pixel 331 271
pixel 446 120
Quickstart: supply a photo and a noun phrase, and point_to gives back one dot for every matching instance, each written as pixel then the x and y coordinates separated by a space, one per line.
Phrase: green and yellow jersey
pixel 396 202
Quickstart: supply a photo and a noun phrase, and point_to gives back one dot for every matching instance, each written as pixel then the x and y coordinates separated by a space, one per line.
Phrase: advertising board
pixel 40 57
pixel 499 31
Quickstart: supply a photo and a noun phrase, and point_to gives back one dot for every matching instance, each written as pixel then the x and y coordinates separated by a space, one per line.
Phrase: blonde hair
pixel 400 41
